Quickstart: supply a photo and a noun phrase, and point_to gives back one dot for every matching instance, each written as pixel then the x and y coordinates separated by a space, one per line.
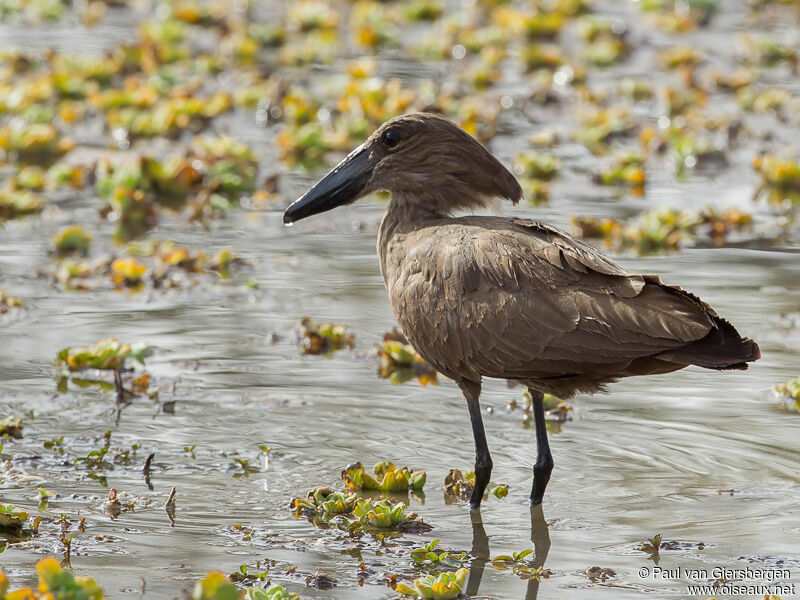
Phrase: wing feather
pixel 517 299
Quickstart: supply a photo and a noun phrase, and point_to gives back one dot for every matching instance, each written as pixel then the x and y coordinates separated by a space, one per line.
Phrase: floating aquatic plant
pixel 789 393
pixel 556 409
pixel 308 15
pixel 169 117
pixel 8 302
pixel 682 101
pixel 127 272
pixel 460 485
pixel 108 354
pixel 383 514
pixel 482 75
pixel 652 546
pixel 599 126
pixel 536 165
pixel 537 56
pixel 157 264
pixel 790 389
pixel 216 586
pixel 626 170
pixel 401 363
pixel 18 203
pixel 767 52
pixel 441 586
pixel 686 57
pixel 273 592
pixel 688 150
pixel 538 24
pixel 212 174
pixel 498 491
pixel 597 574
pixel 372 25
pixel 780 180
pixel 679 18
pixel 324 339
pixel 536 192
pixel 388 478
pixel 11 426
pixel 326 501
pixel 54 582
pixel 427 556
pixel 605 40
pixel 11 516
pixel 34 141
pixel 637 89
pixel 766 100
pixel 732 81
pixel 664 229
pixel 72 239
pixel 230 166
pixel 423 10
pixel 241 467
pixel 519 566
pixel 43 496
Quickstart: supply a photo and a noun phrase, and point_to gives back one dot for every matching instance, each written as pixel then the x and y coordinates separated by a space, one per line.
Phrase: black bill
pixel 342 185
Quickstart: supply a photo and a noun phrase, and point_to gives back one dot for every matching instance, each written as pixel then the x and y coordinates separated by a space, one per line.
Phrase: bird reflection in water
pixel 481 553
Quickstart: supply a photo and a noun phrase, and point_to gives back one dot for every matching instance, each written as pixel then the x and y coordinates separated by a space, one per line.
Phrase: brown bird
pixel 485 296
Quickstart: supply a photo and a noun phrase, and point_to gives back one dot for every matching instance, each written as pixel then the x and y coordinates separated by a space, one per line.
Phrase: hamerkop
pixel 486 296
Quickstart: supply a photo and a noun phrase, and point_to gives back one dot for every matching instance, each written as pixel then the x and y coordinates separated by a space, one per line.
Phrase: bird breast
pixel 430 297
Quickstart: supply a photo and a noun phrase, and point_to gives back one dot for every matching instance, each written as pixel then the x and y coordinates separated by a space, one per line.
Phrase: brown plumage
pixel 483 296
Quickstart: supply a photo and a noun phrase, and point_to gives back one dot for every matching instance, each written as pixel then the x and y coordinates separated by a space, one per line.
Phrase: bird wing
pixel 517 299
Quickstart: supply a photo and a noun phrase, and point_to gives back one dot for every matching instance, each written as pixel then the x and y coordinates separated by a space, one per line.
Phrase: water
pixel 657 454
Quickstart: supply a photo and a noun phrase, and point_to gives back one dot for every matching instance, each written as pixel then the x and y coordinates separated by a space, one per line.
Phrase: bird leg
pixel 544 460
pixel 483 460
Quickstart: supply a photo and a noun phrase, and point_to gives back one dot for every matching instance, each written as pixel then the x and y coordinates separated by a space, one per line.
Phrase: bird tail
pixel 722 349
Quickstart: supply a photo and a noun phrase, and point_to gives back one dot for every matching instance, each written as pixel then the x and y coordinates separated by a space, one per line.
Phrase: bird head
pixel 419 158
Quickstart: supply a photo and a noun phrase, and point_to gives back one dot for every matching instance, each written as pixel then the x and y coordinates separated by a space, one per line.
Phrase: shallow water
pixel 654 455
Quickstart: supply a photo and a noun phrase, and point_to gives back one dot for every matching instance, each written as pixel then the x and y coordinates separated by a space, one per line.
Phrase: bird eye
pixel 390 138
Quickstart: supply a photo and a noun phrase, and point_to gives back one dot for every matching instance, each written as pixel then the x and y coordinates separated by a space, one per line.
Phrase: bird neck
pixel 409 209
pixel 404 214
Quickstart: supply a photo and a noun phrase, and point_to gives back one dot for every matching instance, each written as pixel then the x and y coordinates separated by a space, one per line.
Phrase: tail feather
pixel 722 348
